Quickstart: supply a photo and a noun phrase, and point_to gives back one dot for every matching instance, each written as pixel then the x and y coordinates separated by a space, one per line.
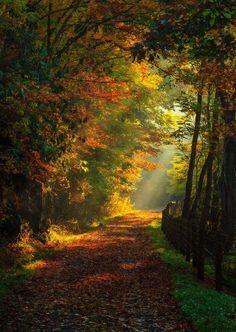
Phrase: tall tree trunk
pixel 193 213
pixel 215 206
pixel 189 182
pixel 229 173
pixel 213 143
pixel 204 167
pixel 204 218
pixel 195 204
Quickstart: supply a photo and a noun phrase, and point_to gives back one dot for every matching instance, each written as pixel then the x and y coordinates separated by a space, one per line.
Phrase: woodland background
pixel 89 92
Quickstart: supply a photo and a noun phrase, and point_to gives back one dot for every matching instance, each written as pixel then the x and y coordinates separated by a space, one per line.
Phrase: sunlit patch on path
pixel 110 280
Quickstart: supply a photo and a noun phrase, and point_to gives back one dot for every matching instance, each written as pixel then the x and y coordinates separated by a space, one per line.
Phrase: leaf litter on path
pixel 110 280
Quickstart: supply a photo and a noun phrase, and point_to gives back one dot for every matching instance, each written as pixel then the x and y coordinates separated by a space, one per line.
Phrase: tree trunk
pixel 195 204
pixel 193 213
pixel 228 180
pixel 204 218
pixel 30 200
pixel 189 182
pixel 213 143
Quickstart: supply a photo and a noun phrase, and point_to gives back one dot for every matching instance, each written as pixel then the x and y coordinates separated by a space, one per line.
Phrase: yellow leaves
pixel 171 118
pixel 131 175
pixel 144 76
pixel 60 235
pixel 118 204
pixel 39 264
pixel 177 174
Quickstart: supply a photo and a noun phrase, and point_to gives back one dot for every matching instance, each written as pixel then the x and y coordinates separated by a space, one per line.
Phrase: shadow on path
pixel 109 280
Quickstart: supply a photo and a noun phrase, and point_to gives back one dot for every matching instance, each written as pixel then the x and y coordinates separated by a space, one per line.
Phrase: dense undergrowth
pixel 207 309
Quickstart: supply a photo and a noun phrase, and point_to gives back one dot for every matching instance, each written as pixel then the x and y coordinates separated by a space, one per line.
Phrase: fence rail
pixel 197 246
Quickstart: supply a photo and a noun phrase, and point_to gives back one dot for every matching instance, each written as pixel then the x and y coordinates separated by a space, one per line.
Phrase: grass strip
pixel 207 309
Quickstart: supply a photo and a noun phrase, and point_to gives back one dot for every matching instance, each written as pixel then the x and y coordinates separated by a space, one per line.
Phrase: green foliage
pixel 77 110
pixel 11 279
pixel 207 309
pixel 191 28
pixel 177 176
pixel 20 266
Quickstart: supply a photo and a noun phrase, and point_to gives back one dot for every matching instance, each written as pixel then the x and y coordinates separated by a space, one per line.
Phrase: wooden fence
pixel 197 246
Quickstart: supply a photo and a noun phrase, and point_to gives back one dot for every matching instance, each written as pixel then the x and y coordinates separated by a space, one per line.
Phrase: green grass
pixel 11 279
pixel 15 275
pixel 207 309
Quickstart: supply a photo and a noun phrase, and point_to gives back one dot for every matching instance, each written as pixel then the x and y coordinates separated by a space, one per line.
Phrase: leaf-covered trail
pixel 109 280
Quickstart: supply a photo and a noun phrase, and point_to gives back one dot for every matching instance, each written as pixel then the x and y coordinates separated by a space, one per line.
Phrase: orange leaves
pixel 93 88
pixel 146 164
pixel 92 104
pixel 95 143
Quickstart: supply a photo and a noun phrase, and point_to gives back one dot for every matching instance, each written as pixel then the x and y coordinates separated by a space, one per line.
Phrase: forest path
pixel 110 280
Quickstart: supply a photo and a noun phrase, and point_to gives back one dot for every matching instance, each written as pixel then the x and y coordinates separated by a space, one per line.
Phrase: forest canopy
pixel 90 90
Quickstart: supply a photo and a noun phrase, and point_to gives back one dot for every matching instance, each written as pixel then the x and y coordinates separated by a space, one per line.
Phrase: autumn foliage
pixel 76 128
